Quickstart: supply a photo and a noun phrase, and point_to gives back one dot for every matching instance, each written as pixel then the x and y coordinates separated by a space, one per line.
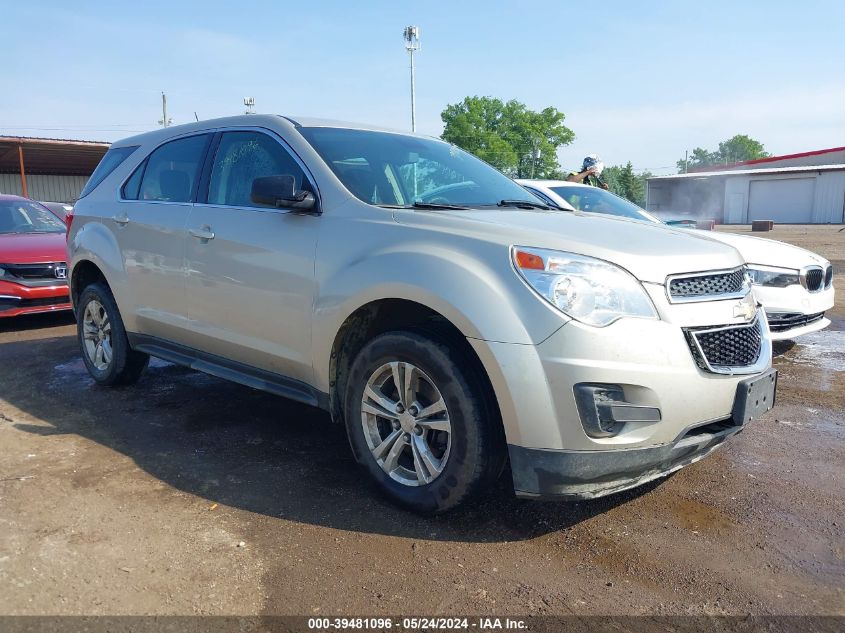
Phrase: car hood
pixel 649 251
pixel 30 248
pixel 759 250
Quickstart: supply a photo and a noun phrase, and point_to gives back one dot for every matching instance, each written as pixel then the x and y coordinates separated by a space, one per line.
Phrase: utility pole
pixel 164 122
pixel 535 154
pixel 412 45
pixel 686 160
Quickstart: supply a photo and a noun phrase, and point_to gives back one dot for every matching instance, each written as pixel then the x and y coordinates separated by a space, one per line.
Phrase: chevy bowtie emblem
pixel 745 309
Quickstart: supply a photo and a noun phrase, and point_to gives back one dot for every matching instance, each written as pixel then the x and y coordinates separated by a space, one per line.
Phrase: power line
pixel 117 126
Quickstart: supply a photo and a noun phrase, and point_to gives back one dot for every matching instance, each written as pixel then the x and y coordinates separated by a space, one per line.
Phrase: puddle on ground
pixel 74 374
pixel 71 373
pixel 824 350
pixel 697 516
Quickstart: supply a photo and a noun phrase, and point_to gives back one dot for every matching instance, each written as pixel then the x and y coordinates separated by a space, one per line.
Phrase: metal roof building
pixel 48 169
pixel 805 188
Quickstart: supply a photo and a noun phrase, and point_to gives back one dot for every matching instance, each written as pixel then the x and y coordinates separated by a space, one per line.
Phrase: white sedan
pixel 794 285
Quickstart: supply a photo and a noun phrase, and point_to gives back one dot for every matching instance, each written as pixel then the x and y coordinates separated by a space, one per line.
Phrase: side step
pixel 230 370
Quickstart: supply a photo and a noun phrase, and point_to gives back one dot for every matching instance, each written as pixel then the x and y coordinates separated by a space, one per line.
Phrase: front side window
pixel 170 173
pixel 241 158
pixel 595 200
pixel 23 216
pixel 111 161
pixel 395 169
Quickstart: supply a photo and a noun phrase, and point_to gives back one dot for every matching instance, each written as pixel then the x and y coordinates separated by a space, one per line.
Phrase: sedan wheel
pixel 406 423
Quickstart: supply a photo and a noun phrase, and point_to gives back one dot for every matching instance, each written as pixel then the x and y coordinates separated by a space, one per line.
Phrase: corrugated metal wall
pixel 46 188
pixel 829 205
pixel 828 197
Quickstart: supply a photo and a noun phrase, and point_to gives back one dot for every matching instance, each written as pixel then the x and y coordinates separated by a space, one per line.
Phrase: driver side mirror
pixel 280 192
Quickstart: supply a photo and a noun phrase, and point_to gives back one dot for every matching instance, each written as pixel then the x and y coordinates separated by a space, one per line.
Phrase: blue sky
pixel 637 81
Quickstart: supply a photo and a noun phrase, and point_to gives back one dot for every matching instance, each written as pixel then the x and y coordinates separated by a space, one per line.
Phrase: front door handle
pixel 121 219
pixel 204 234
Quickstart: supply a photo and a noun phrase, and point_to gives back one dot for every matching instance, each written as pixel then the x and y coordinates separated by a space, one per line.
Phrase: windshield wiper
pixel 436 205
pixel 425 205
pixel 522 204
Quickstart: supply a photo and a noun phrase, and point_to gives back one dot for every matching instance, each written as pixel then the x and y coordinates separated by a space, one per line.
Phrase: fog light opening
pixel 604 410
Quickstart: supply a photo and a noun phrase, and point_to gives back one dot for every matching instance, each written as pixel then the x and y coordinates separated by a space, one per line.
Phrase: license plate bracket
pixel 755 396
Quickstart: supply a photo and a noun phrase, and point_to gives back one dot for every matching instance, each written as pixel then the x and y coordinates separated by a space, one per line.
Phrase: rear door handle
pixel 121 219
pixel 205 233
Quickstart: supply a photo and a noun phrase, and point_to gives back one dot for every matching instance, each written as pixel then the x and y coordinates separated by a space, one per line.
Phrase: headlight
pixel 589 290
pixel 772 276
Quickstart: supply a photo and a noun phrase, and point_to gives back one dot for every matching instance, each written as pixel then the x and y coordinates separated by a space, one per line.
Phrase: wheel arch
pixel 85 272
pixel 386 315
pixel 95 255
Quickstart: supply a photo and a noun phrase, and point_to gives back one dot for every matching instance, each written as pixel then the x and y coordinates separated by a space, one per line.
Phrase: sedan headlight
pixel 589 290
pixel 772 276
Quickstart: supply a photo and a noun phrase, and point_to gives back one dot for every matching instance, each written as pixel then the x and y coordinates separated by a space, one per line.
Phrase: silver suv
pixel 446 316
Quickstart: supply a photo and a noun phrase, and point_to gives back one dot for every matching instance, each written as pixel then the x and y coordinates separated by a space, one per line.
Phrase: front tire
pixel 103 341
pixel 419 422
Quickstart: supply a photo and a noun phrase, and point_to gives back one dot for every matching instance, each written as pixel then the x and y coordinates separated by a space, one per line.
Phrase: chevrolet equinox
pixel 451 320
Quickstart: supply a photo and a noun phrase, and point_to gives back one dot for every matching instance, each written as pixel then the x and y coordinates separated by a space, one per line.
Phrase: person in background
pixel 590 173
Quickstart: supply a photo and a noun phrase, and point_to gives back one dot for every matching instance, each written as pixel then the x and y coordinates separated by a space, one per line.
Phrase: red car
pixel 33 259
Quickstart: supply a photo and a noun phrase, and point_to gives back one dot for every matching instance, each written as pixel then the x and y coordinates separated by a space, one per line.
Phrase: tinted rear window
pixel 170 173
pixel 113 158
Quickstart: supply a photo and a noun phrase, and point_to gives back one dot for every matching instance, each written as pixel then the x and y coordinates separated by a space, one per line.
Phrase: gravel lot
pixel 188 495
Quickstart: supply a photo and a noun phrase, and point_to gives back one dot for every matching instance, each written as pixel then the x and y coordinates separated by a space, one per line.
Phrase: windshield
pixel 22 216
pixel 595 200
pixel 383 168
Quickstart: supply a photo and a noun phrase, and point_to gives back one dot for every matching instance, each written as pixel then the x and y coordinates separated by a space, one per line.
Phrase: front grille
pixel 707 285
pixel 30 272
pixel 728 348
pixel 12 304
pixel 782 321
pixel 828 276
pixel 814 279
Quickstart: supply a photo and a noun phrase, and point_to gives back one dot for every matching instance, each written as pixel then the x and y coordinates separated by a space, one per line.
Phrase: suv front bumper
pixel 677 412
pixel 540 473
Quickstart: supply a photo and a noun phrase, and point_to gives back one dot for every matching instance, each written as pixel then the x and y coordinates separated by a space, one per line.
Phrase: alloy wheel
pixel 406 423
pixel 96 335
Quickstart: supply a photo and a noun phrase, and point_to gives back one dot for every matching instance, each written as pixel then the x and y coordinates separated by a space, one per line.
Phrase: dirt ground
pixel 188 495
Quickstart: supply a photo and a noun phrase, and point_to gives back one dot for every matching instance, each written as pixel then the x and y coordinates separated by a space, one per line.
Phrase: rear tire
pixel 103 341
pixel 435 442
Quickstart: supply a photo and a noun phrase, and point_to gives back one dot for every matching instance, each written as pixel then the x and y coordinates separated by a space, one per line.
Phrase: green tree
pixel 625 182
pixel 740 148
pixel 630 186
pixel 611 176
pixel 520 142
pixel 699 157
pixel 734 150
